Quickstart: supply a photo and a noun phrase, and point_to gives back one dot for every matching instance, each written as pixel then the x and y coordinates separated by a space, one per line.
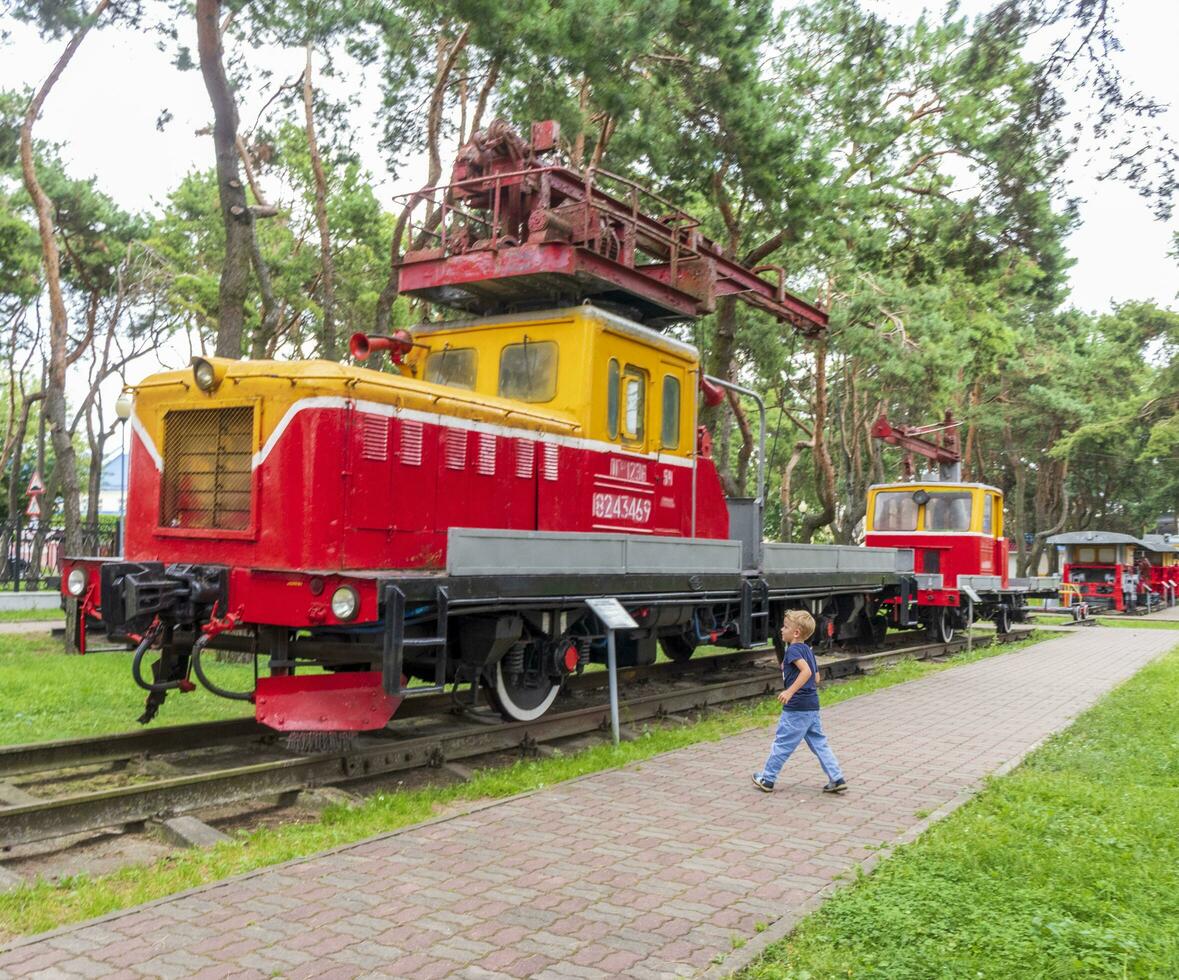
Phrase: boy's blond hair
pixel 802 620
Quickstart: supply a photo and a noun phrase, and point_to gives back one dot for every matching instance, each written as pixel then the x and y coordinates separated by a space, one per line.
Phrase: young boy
pixel 800 708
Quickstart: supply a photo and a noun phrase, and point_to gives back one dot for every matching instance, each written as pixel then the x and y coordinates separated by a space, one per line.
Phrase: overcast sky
pixel 105 108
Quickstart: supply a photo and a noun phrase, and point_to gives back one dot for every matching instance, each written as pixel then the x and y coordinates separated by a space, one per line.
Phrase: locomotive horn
pixel 713 393
pixel 361 345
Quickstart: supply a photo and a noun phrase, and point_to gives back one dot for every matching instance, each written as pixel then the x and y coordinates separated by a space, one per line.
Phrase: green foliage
pixel 1066 867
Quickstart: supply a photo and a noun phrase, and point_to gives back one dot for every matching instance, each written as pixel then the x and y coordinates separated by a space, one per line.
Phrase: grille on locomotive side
pixel 207 480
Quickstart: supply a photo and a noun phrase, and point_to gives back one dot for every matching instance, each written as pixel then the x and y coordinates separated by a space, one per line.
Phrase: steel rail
pixel 19 760
pixel 118 807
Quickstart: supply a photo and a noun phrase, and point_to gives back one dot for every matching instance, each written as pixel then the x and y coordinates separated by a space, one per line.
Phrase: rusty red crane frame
pixel 510 230
pixel 948 455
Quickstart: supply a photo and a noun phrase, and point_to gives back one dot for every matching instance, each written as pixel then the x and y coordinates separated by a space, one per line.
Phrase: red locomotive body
pixel 446 524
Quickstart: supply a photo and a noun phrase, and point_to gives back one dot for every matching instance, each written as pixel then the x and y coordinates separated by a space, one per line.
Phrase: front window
pixel 453 366
pixel 895 511
pixel 988 506
pixel 528 371
pixel 1091 576
pixel 948 512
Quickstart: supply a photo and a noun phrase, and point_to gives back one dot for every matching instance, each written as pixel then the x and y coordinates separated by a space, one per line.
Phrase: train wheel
pixel 966 614
pixel 942 626
pixel 678 648
pixel 522 696
pixel 1003 619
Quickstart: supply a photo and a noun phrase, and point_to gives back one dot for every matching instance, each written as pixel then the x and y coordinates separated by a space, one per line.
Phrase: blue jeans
pixel 794 727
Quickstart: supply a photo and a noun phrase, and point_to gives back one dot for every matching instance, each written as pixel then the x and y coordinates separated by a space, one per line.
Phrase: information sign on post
pixel 614 617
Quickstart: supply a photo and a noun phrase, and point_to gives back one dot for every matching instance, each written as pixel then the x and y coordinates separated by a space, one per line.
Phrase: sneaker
pixel 839 786
pixel 762 784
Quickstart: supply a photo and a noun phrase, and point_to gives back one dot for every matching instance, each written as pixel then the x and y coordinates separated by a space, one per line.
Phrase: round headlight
pixel 345 602
pixel 203 374
pixel 76 582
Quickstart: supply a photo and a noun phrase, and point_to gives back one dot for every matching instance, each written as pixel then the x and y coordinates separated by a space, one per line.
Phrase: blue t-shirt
pixel 806 698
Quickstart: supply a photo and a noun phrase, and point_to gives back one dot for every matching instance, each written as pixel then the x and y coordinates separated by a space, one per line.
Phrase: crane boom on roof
pixel 911 438
pixel 511 231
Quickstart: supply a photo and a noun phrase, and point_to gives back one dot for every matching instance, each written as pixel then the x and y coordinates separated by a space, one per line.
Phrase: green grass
pixel 46 905
pixel 1127 622
pixel 31 615
pixel 47 694
pixel 1067 867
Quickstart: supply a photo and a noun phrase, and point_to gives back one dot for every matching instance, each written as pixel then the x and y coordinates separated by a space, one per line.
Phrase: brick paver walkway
pixel 646 871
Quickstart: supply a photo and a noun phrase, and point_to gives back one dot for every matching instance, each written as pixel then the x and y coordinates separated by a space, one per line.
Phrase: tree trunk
pixel 741 478
pixel 327 281
pixel 235 212
pixel 824 470
pixel 969 474
pixel 786 531
pixel 392 287
pixel 55 400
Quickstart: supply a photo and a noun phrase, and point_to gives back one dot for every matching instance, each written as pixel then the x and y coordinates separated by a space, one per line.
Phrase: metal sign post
pixel 613 617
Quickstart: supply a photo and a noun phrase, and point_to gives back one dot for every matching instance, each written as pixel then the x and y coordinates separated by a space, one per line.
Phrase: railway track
pixel 431 739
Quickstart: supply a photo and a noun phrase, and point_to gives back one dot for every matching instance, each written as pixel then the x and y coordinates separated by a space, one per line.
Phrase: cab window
pixel 613 383
pixel 948 512
pixel 895 511
pixel 454 366
pixel 528 371
pixel 634 403
pixel 988 506
pixel 671 412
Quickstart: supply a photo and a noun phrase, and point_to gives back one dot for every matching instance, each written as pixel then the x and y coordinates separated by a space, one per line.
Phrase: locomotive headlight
pixel 203 374
pixel 76 582
pixel 207 374
pixel 345 602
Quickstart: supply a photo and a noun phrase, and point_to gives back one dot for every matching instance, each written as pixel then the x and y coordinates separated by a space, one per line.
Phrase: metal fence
pixel 33 551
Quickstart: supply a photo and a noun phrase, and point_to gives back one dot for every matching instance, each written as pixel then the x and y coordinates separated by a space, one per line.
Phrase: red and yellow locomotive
pixel 955 531
pixel 369 535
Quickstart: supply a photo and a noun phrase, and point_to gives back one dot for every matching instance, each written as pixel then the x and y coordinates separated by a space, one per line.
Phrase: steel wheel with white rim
pixel 522 696
pixel 1003 619
pixel 943 625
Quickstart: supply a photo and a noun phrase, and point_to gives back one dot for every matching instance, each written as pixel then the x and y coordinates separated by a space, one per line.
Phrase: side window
pixel 988 504
pixel 671 412
pixel 613 382
pixel 452 366
pixel 528 371
pixel 634 403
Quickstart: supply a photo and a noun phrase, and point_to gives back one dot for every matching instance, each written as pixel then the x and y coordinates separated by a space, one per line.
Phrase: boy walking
pixel 800 708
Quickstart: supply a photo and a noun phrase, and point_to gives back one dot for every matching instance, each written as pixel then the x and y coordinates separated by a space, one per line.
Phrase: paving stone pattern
pixel 649 871
pixel 1171 613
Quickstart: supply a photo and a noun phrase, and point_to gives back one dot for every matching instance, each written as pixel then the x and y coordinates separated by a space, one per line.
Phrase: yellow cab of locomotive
pixel 953 528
